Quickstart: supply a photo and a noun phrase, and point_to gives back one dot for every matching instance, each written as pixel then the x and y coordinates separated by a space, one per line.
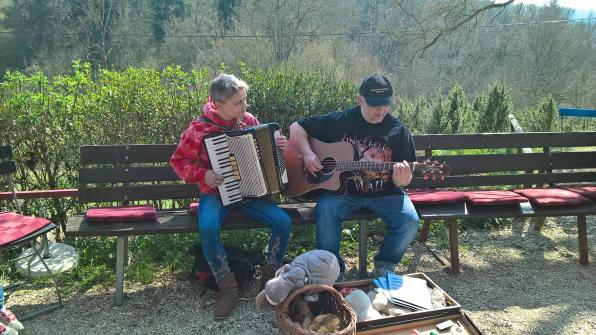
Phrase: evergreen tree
pixel 458 111
pixel 498 106
pixel 437 122
pixel 541 117
pixel 479 107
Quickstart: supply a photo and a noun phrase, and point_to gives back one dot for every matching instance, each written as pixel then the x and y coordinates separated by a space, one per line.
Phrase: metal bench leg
pixel 50 307
pixel 453 246
pixel 582 235
pixel 539 223
pixel 46 246
pixel 424 231
pixel 362 254
pixel 121 256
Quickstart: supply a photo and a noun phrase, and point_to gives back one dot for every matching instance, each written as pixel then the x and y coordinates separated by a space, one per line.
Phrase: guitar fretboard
pixel 368 166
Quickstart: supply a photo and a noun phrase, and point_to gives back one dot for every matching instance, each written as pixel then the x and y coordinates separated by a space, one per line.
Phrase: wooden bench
pixel 509 160
pixel 125 174
pixel 117 175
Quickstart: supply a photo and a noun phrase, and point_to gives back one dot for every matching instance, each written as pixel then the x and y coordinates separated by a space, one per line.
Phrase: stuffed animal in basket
pixel 312 267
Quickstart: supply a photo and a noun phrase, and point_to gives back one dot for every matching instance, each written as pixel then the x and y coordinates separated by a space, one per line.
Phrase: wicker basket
pixel 330 301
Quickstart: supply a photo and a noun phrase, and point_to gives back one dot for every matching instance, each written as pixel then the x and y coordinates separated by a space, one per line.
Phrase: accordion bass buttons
pixel 235 169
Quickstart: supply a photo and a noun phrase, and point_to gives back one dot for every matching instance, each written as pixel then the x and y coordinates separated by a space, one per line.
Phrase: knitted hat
pixel 312 267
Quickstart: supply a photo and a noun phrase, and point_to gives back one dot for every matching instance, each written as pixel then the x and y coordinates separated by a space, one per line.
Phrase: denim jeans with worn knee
pixel 397 211
pixel 211 215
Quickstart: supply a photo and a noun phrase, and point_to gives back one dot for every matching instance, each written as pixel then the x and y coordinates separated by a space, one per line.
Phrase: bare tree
pixel 428 21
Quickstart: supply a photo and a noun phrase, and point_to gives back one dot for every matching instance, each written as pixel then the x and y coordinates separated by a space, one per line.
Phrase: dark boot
pixel 228 297
pixel 267 273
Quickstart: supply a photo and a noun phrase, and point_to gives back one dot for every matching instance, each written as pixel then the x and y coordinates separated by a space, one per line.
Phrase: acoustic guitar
pixel 338 163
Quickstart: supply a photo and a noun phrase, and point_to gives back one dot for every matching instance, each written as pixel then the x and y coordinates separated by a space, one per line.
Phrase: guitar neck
pixel 369 166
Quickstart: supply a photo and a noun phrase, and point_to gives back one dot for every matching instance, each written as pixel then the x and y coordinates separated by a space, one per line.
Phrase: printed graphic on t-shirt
pixel 369 149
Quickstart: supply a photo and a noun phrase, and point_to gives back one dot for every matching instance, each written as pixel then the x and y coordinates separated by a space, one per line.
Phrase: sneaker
pixel 381 271
pixel 7 330
pixel 10 320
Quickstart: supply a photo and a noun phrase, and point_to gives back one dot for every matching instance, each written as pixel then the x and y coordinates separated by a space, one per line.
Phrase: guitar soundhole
pixel 325 174
pixel 329 165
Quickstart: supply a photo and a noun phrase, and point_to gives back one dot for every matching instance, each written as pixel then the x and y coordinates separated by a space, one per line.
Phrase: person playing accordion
pixel 225 110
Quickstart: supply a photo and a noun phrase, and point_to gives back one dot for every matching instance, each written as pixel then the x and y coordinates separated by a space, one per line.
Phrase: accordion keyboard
pixel 218 147
pixel 237 160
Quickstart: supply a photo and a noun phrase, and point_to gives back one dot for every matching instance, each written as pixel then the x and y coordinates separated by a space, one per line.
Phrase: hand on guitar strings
pixel 402 174
pixel 312 164
pixel 212 179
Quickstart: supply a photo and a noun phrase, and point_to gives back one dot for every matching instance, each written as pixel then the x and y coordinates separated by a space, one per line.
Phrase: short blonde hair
pixel 225 86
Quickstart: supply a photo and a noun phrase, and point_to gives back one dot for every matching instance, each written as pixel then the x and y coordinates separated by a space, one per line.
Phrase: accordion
pixel 250 162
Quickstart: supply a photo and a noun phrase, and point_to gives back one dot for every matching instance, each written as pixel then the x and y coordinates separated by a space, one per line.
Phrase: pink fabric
pixel 552 196
pixel 586 190
pixel 15 226
pixel 494 197
pixel 193 209
pixel 190 160
pixel 428 197
pixel 120 214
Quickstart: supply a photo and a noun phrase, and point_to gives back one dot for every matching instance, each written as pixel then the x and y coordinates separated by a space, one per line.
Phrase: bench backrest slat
pixel 127 174
pixel 473 182
pixel 134 193
pixel 463 164
pixel 505 140
pixel 126 154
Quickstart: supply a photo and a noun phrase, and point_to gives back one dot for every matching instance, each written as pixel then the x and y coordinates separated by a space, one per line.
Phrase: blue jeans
pixel 397 211
pixel 211 215
pixel 1 297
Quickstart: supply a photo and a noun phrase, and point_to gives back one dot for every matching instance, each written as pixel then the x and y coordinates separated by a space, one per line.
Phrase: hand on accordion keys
pixel 281 141
pixel 212 179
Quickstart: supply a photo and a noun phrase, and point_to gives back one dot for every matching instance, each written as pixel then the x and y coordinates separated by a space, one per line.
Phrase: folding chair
pixel 18 230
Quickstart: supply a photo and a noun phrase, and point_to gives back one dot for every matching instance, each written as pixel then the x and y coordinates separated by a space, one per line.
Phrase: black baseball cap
pixel 377 91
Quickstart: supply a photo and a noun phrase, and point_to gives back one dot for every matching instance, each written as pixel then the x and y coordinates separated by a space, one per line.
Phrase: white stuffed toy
pixel 362 306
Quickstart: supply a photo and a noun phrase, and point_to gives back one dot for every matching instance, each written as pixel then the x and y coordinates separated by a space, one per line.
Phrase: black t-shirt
pixel 387 141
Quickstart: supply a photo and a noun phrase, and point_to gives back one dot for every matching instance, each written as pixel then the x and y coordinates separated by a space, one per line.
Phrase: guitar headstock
pixel 432 169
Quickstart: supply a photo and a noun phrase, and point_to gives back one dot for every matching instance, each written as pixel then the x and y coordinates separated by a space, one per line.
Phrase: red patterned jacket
pixel 190 160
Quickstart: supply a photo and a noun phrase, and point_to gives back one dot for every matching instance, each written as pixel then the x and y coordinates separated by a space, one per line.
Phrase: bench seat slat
pixel 178 221
pixel 465 210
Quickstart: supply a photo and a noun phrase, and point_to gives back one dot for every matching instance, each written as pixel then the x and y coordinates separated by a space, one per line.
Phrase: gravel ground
pixel 513 281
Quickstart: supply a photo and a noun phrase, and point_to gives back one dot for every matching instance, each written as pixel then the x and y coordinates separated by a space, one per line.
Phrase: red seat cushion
pixel 427 197
pixel 494 197
pixel 15 226
pixel 121 214
pixel 552 196
pixel 586 190
pixel 193 209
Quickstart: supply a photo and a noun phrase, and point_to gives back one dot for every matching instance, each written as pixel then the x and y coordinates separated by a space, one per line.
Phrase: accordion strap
pixel 208 120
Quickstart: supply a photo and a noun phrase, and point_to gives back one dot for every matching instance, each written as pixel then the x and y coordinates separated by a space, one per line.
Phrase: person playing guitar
pixel 377 138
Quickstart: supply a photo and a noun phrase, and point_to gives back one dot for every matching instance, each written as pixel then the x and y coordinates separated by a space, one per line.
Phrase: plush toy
pixel 326 323
pixel 381 304
pixel 299 312
pixel 362 306
pixel 312 267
